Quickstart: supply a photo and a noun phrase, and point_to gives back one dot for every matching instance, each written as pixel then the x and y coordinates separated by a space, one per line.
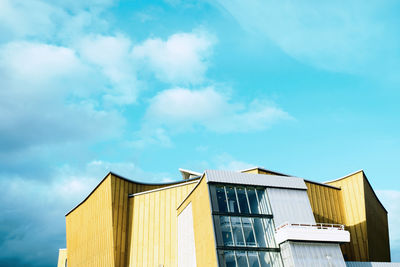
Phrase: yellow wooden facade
pixel 352 202
pixel 97 228
pixel 152 231
pixel 203 226
pixel 124 223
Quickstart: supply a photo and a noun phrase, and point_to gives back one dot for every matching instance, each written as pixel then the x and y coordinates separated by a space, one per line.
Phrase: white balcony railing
pixel 320 232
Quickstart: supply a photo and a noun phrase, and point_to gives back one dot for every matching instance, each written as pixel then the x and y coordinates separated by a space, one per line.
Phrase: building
pixel 254 217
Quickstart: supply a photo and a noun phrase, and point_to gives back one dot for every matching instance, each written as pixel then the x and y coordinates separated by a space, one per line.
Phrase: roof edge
pixel 322 184
pixel 344 177
pixel 266 170
pixel 123 178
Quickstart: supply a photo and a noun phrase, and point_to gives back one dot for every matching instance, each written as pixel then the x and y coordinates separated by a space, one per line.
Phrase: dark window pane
pixel 253 259
pixel 226 231
pixel 248 232
pixel 269 229
pixel 265 259
pixel 237 231
pixel 221 199
pixel 262 198
pixel 241 258
pixel 232 202
pixel 251 193
pixel 244 207
pixel 229 259
pixel 259 231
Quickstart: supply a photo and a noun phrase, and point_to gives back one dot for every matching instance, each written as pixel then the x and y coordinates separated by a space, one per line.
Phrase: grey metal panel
pixel 302 254
pixel 372 264
pixel 255 179
pixel 290 205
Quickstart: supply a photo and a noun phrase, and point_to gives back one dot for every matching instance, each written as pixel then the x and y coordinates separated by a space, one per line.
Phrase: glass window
pixel 259 232
pixel 241 258
pixel 262 199
pixel 269 230
pixel 253 259
pixel 244 206
pixel 232 202
pixel 265 259
pixel 251 193
pixel 237 231
pixel 221 199
pixel 229 259
pixel 248 232
pixel 226 231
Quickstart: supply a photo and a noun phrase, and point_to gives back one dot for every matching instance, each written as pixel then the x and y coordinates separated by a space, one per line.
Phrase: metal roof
pixel 232 177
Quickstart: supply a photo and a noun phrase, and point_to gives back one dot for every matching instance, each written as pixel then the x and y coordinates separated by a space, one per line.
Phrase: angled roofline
pixel 369 184
pixel 322 184
pixel 128 180
pixel 266 170
pixel 343 177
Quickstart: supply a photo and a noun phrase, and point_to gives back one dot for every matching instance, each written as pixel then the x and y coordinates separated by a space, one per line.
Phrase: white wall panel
pixel 186 245
pixel 299 254
pixel 289 205
pixel 254 179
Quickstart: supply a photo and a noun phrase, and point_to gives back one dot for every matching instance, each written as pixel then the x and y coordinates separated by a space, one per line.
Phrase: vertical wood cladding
pixel 202 225
pixel 89 229
pixel 121 188
pixel 377 230
pixel 152 232
pixel 97 228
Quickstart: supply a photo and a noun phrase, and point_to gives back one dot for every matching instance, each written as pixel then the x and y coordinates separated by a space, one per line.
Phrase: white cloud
pixel 340 35
pixel 37 82
pixel 112 55
pixel 181 109
pixel 33 210
pixel 390 200
pixel 181 59
pixel 225 161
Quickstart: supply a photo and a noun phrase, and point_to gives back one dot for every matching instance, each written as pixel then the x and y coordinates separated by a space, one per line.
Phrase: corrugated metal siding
pixel 152 227
pixel 254 179
pixel 289 205
pixel 312 254
pixel 372 264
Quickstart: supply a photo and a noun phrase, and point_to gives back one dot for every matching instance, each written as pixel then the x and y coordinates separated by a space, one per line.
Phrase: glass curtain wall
pixel 243 227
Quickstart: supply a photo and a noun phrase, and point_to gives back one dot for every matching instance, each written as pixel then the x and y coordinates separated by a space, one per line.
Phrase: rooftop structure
pixel 253 217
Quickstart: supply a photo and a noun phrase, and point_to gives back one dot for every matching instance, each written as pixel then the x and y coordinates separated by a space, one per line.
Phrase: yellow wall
pixel 121 188
pixel 89 230
pixel 62 257
pixel 326 203
pixel 352 189
pixel 152 231
pixel 97 228
pixel 202 225
pixel 377 226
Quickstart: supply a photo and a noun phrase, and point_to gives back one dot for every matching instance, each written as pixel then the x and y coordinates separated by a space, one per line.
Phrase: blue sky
pixel 143 88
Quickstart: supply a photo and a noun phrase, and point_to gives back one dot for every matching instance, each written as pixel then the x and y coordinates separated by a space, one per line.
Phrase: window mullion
pixel 247 258
pixel 237 199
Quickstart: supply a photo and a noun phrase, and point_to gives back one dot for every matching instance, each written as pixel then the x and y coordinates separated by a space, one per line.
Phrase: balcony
pixel 319 232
